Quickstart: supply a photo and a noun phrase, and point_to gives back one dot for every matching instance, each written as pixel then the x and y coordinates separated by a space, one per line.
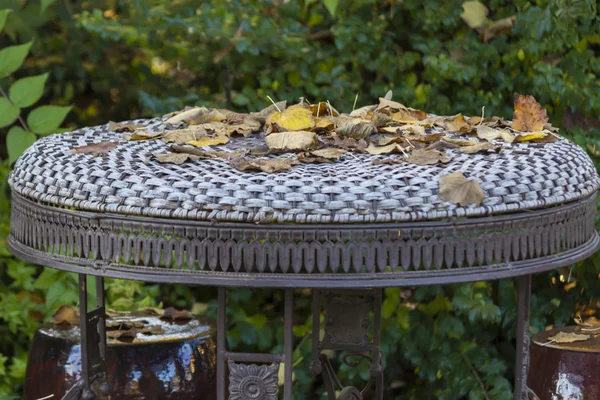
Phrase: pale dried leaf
pixel 350 144
pixel 143 135
pixel 568 337
pixel 378 118
pixel 96 148
pixel 290 141
pixel 457 189
pixel 387 103
pixel 507 136
pixel 294 118
pixel 457 124
pixel 442 145
pixel 459 142
pixel 408 116
pixel 324 123
pixel 529 115
pixel 359 112
pixel 390 148
pixel 329 153
pixel 427 157
pixel 481 147
pixel 208 154
pixel 120 127
pixel 265 112
pixel 488 133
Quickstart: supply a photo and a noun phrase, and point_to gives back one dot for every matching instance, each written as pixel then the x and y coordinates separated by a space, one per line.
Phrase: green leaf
pixel 45 4
pixel 27 91
pixel 12 57
pixel 8 112
pixel 3 15
pixel 331 6
pixel 46 119
pixel 17 141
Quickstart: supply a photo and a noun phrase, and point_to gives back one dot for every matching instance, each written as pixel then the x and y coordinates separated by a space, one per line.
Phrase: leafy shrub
pixel 126 59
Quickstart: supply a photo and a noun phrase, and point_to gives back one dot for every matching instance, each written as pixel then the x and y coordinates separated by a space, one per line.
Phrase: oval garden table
pixel 346 230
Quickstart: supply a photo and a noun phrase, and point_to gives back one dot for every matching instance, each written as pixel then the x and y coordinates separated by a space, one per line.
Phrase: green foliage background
pixel 123 59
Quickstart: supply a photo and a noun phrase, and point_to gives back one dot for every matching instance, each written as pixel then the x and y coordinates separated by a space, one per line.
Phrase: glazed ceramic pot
pixel 156 359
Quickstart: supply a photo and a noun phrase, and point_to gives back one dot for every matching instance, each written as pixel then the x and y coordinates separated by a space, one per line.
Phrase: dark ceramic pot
pixel 175 360
pixel 565 371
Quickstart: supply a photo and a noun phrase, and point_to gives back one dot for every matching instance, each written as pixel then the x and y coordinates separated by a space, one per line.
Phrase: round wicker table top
pixel 351 223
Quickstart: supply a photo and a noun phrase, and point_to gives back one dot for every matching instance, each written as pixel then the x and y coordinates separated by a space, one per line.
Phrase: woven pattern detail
pixel 255 249
pixel 523 177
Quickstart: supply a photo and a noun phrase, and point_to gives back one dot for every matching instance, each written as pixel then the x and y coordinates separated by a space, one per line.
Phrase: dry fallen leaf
pixel 481 147
pixel 197 116
pixel 265 112
pixel 387 103
pixel 379 119
pixel 488 133
pixel 425 138
pixel 474 14
pixel 529 115
pixel 175 158
pixel 350 144
pixel 96 148
pixel 290 141
pixel 182 136
pixel 427 157
pixel 208 154
pixel 457 189
pixel 324 123
pixel 329 153
pixel 530 136
pixel 390 148
pixel 209 141
pixel 442 145
pixel 65 315
pixel 568 337
pixel 143 135
pixel 322 109
pixel 592 324
pixel 176 315
pixel 356 129
pixel 457 124
pixel 120 127
pixel 270 165
pixel 359 112
pixel 294 118
pixel 121 335
pixel 408 116
pixel 459 142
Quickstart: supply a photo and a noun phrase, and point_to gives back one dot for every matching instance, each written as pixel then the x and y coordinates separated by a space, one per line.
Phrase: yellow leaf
pixel 474 14
pixel 208 141
pixel 294 118
pixel 529 115
pixel 531 136
pixel 323 123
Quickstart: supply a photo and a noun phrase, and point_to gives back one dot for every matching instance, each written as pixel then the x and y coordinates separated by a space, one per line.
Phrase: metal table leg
pixel 522 342
pixel 347 330
pixel 93 344
pixel 247 380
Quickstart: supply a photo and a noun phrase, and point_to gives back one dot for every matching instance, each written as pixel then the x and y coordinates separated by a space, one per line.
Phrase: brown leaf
pixel 175 158
pixel 312 159
pixel 390 148
pixel 123 325
pixel 457 124
pixel 529 115
pixel 427 157
pixel 457 189
pixel 269 165
pixel 96 148
pixel 387 103
pixel 481 147
pixel 568 337
pixel 143 135
pixel 183 136
pixel 120 127
pixel 442 145
pixel 176 315
pixel 291 141
pixel 294 118
pixel 349 143
pixel 65 315
pixel 209 141
pixel 122 335
pixel 385 140
pixel 322 109
pixel 356 129
pixel 408 116
pixel 378 118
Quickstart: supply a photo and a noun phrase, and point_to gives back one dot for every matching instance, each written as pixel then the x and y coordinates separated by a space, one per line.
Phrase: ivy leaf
pixel 457 189
pixel 46 119
pixel 27 91
pixel 529 115
pixel 17 141
pixel 12 57
pixel 3 16
pixel 331 6
pixel 8 112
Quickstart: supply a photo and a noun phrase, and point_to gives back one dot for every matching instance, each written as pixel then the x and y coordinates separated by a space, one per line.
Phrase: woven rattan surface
pixel 126 181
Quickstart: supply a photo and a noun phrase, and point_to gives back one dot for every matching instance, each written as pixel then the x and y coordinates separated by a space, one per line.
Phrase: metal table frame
pixel 346 265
